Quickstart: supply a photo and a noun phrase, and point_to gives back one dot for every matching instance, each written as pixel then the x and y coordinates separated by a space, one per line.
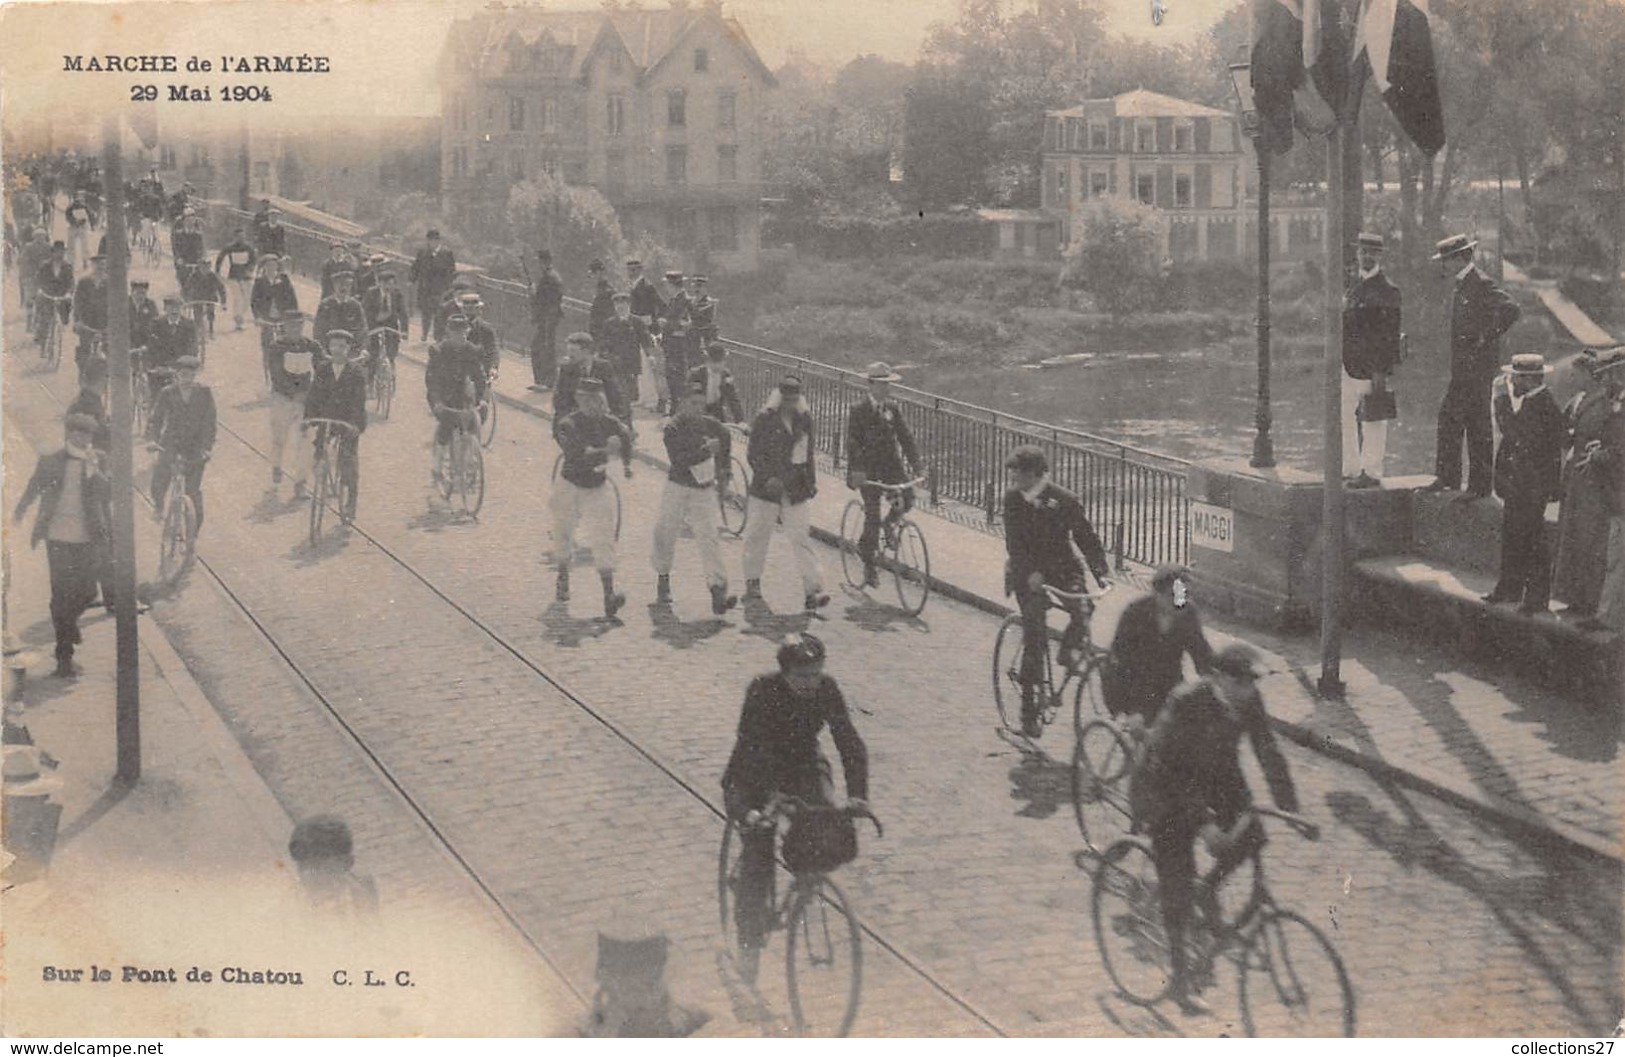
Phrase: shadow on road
pixel 1041 784
pixel 680 634
pixel 570 632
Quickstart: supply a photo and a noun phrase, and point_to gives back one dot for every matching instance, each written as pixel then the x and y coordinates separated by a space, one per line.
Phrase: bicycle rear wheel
pixel 488 428
pixel 734 501
pixel 912 568
pixel 469 470
pixel 851 531
pixel 728 883
pixel 1293 984
pixel 1127 909
pixel 823 957
pixel 1101 762
pixel 53 341
pixel 385 383
pixel 321 482
pixel 177 543
pixel 1007 650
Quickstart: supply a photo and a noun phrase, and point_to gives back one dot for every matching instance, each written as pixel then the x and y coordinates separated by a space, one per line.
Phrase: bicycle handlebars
pixel 905 486
pixel 1058 596
pixel 786 804
pixel 330 422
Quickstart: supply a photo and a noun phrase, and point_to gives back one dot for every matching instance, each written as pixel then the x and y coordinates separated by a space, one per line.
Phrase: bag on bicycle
pixel 819 840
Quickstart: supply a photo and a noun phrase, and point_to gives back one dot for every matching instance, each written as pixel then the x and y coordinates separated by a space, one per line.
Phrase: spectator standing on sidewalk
pixel 432 273
pixel 697 448
pixel 73 523
pixel 1480 312
pixel 546 309
pixel 603 303
pixel 677 342
pixel 1148 651
pixel 1589 540
pixel 1528 472
pixel 624 341
pixel 783 483
pixel 1371 317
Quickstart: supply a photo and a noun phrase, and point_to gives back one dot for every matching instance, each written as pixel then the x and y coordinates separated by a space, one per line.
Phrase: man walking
pixel 878 444
pixel 783 481
pixel 73 521
pixel 432 274
pixel 546 309
pixel 1528 475
pixel 697 447
pixel 1480 312
pixel 239 255
pixel 589 436
pixel 1371 316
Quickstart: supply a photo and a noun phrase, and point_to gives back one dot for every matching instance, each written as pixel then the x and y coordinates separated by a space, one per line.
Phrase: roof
pixel 1143 103
pixel 484 42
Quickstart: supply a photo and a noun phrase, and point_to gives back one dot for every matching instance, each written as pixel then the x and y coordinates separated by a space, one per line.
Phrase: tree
pixel 947 146
pixel 1117 257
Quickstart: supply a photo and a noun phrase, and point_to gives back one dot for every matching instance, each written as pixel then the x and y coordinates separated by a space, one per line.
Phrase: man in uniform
pixel 603 304
pixel 385 306
pixel 677 340
pixel 1480 312
pixel 432 274
pixel 292 364
pixel 589 437
pixel 1528 475
pixel 239 256
pixel 546 309
pixel 90 309
pixel 703 312
pixel 697 449
pixel 338 391
pixel 878 445
pixel 624 340
pixel 183 425
pixel 143 313
pixel 1371 315
pixel 341 311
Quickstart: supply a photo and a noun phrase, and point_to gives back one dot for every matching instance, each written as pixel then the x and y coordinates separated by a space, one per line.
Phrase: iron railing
pixel 1135 498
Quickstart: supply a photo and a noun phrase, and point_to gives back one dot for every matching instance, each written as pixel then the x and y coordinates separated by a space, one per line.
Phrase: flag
pixel 1397 39
pixel 1298 72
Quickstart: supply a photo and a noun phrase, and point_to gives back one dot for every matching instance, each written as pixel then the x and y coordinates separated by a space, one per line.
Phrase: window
pixel 727 106
pixel 1074 133
pixel 516 115
pixel 702 60
pixel 1145 139
pixel 725 228
pixel 550 115
pixel 614 115
pixel 1098 140
pixel 677 165
pixel 615 168
pixel 676 108
pixel 1184 139
pixel 727 164
pixel 1100 182
pixel 1224 188
pixel 1145 188
pixel 1182 191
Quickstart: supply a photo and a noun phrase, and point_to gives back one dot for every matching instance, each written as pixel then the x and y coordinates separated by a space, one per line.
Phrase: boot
pixel 871 575
pixel 721 600
pixel 753 590
pixel 613 599
pixel 663 589
pixel 561 590
pixel 1031 725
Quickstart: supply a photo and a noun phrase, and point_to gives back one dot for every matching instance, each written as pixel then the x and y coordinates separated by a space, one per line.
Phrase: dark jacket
pixel 603 308
pixel 570 374
pixel 547 299
pixel 385 308
pixel 184 426
pixel 773 477
pixel 336 314
pixel 270 298
pixel 1146 663
pixel 1191 763
pixel 878 442
pixel 143 314
pixel 55 278
pixel 271 237
pixel 483 337
pixel 578 432
pixel 776 748
pixel 240 255
pixel 168 341
pixel 433 272
pixel 1529 462
pixel 646 301
pixel 90 303
pixel 1480 312
pixel 685 436
pixel 1371 314
pixel 46 486
pixel 293 385
pixel 343 398
pixel 1040 537
pixel 623 344
pixel 331 267
pixel 187 246
pixel 88 403
pixel 453 364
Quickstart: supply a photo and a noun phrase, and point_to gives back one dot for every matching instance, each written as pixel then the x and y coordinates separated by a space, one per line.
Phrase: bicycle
pixel 1288 960
pixel 383 376
pixel 177 536
pixel 488 411
pixel 199 314
pixel 326 483
pixel 609 479
pixel 146 239
pixel 733 495
pixel 464 472
pixel 826 982
pixel 901 546
pixel 51 341
pixel 1083 678
pixel 141 394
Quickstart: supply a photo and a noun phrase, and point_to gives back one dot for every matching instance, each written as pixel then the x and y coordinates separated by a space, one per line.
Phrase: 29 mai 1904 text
pixel 197 64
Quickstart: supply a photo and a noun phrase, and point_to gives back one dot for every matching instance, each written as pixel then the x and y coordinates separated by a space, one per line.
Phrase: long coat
pixel 1529 462
pixel 1480 312
pixel 1371 314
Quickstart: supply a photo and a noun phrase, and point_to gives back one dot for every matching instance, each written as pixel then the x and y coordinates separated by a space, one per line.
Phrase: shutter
pixel 1165 185
pixel 1204 135
pixel 1204 186
pixel 1165 135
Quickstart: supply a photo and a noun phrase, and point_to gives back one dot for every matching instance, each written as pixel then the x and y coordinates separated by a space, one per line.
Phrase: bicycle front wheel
pixel 1101 762
pixel 53 343
pixel 320 485
pixel 488 428
pixel 177 543
pixel 851 531
pixel 1293 984
pixel 1127 908
pixel 912 568
pixel 1007 672
pixel 823 956
pixel 386 388
pixel 728 860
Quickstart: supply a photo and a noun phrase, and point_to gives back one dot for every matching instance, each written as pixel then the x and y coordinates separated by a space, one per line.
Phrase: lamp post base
pixel 1263 451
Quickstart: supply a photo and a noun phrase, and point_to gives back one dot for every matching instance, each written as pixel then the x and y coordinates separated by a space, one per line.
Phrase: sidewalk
pixel 1514 752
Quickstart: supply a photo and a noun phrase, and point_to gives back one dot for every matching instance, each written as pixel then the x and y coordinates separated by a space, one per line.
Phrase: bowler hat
pixel 716 350
pixel 1453 246
pixel 1029 458
pixel 321 837
pixel 434 233
pixel 171 299
pixel 633 262
pixel 80 423
pixel 1238 659
pixel 187 363
pixel 1369 241
pixel 59 245
pixel 880 371
pixel 1532 363
pixel 141 283
pixel 699 279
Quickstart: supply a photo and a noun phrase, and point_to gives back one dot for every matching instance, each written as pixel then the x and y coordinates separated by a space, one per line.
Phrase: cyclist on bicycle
pixel 170 337
pixel 455 369
pixel 698 450
pixel 79 218
pixel 54 280
pixel 186 243
pixel 143 313
pixel 272 298
pixel 30 262
pixel 341 311
pixel 293 362
pixel 878 444
pixel 482 336
pixel 270 237
pixel 339 391
pixel 776 751
pixel 1148 650
pixel 385 306
pixel 90 309
pixel 240 275
pixel 183 424
pixel 721 395
pixel 1189 784
pixel 589 437
pixel 337 261
pixel 201 286
pixel 1042 523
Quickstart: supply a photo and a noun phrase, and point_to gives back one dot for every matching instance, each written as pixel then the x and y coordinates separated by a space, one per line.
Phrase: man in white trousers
pixel 1371 348
pixel 582 498
pixel 291 359
pixel 697 447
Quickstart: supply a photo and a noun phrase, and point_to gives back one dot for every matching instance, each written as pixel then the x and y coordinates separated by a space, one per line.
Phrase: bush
pixel 830 334
pixel 1026 284
pixel 1208 284
pixel 1116 256
pixel 847 237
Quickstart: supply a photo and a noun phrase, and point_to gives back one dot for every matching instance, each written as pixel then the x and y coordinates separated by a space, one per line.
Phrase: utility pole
pixel 127 714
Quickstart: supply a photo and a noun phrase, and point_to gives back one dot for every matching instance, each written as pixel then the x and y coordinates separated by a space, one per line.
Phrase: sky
pixel 383 52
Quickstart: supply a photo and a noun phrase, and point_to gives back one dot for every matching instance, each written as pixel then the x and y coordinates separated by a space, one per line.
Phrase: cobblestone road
pixel 1446 925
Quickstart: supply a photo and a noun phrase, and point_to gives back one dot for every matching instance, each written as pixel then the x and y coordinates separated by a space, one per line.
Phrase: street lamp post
pixel 1241 79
